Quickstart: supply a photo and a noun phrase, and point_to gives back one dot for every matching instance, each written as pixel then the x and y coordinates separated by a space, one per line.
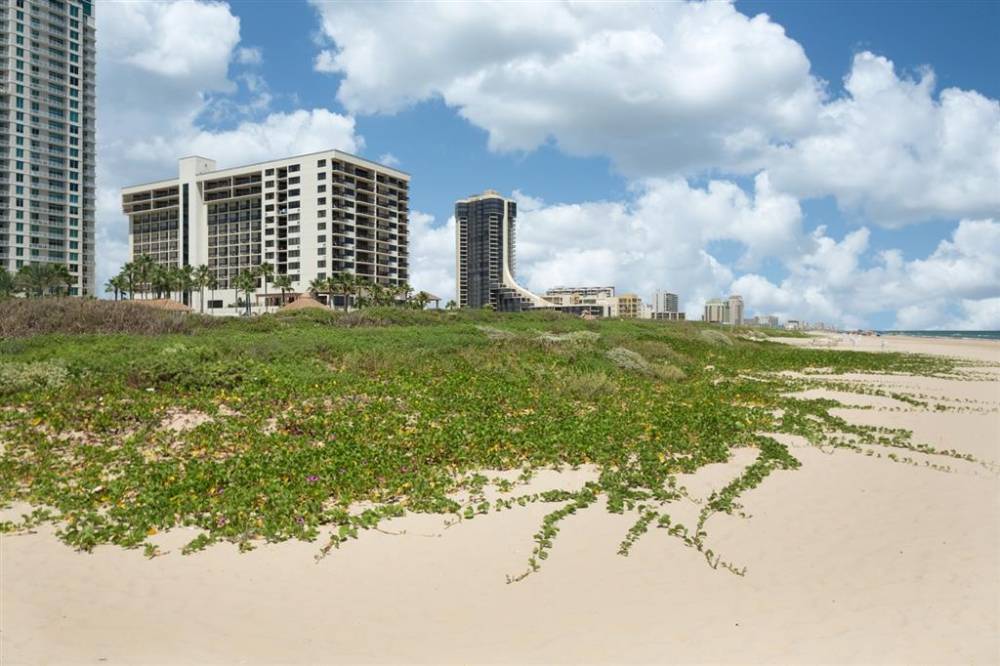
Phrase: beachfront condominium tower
pixel 735 310
pixel 309 217
pixel 47 108
pixel 485 232
pixel 724 311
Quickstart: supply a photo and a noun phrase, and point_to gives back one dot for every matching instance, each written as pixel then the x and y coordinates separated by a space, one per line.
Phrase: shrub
pixel 16 377
pixel 574 336
pixel 626 359
pixel 20 318
pixel 587 386
pixel 715 337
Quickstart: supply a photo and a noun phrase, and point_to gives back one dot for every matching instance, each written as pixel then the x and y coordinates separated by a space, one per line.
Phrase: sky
pixel 831 162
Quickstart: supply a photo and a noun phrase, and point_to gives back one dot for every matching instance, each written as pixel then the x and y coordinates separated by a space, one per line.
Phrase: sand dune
pixel 850 559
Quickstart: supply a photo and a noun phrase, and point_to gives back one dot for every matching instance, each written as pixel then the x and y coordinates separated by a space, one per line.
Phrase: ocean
pixel 974 335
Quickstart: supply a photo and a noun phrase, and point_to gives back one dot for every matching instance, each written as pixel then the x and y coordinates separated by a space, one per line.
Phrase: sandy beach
pixel 850 559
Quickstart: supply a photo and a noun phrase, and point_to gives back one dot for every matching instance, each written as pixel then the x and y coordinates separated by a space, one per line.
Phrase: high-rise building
pixel 724 311
pixel 766 321
pixel 47 109
pixel 735 310
pixel 310 216
pixel 485 234
pixel 716 311
pixel 664 302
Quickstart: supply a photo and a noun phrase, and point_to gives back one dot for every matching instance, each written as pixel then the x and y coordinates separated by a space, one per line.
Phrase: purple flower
pixel 300 520
pixel 312 478
pixel 221 521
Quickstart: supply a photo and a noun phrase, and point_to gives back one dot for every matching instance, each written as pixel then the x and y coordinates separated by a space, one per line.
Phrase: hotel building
pixel 310 216
pixel 666 306
pixel 485 263
pixel 724 311
pixel 47 110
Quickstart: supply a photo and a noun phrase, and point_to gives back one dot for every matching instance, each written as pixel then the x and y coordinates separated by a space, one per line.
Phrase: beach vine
pixel 304 427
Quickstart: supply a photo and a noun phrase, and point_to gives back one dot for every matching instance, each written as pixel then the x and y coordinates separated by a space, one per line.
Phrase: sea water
pixel 974 335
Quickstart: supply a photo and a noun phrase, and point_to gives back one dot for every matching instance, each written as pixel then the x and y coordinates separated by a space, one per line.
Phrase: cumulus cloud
pixel 432 255
pixel 149 111
pixel 956 286
pixel 659 87
pixel 894 152
pixel 676 89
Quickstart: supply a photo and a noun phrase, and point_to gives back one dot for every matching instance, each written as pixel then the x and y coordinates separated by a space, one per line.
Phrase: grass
pixel 315 414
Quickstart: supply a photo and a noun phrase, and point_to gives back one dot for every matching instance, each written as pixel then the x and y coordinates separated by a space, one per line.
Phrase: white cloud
pixel 148 110
pixel 432 255
pixel 956 286
pixel 659 87
pixel 668 89
pixel 183 39
pixel 388 159
pixel 892 151
pixel 249 55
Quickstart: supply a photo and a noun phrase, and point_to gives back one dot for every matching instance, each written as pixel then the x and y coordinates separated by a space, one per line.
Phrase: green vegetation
pixel 144 278
pixel 318 424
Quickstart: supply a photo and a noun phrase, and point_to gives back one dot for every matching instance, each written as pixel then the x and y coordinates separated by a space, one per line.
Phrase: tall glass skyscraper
pixel 485 227
pixel 47 137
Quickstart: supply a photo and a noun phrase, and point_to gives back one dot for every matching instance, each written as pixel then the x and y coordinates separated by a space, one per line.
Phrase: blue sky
pixel 681 146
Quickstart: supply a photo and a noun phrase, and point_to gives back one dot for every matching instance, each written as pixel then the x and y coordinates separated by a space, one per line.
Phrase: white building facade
pixel 47 137
pixel 309 216
pixel 724 311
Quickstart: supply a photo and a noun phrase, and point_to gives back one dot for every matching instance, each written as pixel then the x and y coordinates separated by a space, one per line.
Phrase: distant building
pixel 716 311
pixel 595 301
pixel 485 232
pixel 664 301
pixel 735 310
pixel 793 325
pixel 310 217
pixel 666 306
pixel 765 321
pixel 626 306
pixel 724 311
pixel 578 295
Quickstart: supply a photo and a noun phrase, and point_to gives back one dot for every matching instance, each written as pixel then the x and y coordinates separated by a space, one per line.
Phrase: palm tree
pixel 317 287
pixel 8 284
pixel 266 273
pixel 246 282
pixel 362 291
pixel 145 268
pixel 161 280
pixel 127 277
pixel 61 277
pixel 201 276
pixel 111 286
pixel 341 283
pixel 212 284
pixel 185 283
pixel 421 299
pixel 451 305
pixel 36 279
pixel 406 291
pixel 284 283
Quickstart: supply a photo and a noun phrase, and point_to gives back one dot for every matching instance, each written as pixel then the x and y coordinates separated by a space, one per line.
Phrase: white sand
pixel 850 559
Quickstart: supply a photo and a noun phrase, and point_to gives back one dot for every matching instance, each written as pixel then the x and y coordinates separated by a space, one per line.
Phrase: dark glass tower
pixel 485 232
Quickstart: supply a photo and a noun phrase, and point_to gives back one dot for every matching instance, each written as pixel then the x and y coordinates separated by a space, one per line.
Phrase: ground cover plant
pixel 318 425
